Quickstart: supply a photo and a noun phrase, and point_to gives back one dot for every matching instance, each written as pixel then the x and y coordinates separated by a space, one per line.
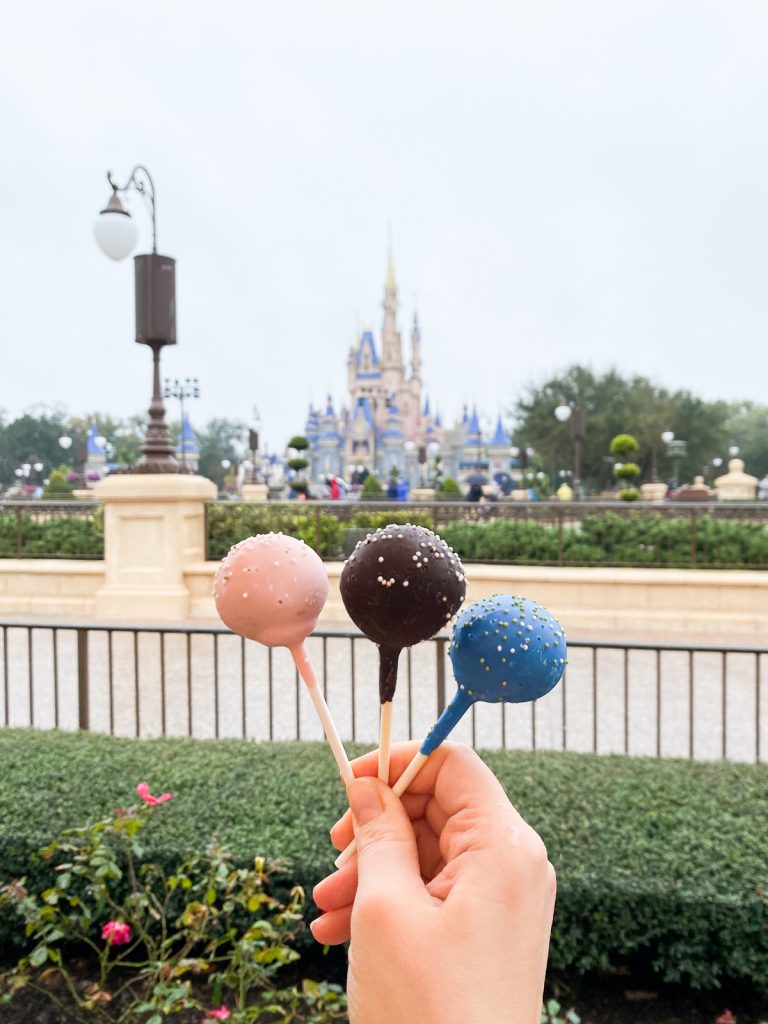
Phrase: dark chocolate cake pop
pixel 401 585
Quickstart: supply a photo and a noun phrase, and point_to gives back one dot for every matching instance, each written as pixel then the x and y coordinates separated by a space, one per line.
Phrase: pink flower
pixel 117 933
pixel 221 1014
pixel 143 790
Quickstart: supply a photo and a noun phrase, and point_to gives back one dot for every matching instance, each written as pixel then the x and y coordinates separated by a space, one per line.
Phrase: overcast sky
pixel 565 181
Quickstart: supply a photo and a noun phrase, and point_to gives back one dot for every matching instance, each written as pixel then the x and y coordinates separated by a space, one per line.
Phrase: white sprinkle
pixel 405 583
pixel 245 594
pixel 381 558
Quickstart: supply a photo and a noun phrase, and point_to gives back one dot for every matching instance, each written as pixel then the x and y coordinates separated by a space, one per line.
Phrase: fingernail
pixel 364 800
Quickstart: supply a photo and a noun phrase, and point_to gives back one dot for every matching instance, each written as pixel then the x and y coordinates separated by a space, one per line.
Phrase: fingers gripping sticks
pixel 272 588
pixel 503 649
pixel 401 585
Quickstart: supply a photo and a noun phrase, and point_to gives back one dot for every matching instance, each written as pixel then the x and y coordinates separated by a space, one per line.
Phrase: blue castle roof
pixel 472 428
pixel 188 443
pixel 367 342
pixel 92 447
pixel 501 437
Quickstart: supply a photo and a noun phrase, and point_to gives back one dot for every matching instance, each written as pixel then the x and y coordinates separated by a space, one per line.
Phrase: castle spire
pixel 391 350
pixel 416 348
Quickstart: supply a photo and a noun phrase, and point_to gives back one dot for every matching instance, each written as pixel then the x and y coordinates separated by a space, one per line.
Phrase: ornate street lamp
pixel 676 450
pixel 578 419
pixel 155 282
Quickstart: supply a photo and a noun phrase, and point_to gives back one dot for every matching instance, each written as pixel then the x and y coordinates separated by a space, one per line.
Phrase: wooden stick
pixel 307 673
pixel 385 740
pixel 402 784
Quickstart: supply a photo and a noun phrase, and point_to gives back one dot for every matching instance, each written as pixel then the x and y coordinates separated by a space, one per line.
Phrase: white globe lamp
pixel 115 230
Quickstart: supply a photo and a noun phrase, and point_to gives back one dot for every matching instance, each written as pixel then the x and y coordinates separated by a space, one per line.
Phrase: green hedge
pixel 659 862
pixel 46 535
pixel 636 539
pixel 230 523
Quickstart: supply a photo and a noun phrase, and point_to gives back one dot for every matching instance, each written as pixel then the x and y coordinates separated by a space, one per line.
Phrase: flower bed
pixel 660 863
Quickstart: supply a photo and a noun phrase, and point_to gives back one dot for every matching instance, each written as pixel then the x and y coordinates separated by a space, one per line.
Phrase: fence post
pixel 317 528
pixel 560 537
pixel 440 654
pixel 693 538
pixel 83 715
pixel 18 532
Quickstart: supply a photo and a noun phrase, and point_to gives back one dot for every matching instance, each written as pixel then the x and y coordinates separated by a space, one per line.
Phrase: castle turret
pixel 391 348
pixel 415 349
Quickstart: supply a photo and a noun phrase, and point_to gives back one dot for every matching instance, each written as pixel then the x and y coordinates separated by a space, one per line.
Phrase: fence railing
pixel 51 529
pixel 658 700
pixel 670 535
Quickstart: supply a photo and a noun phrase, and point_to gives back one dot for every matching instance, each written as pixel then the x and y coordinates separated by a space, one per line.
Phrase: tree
pixel 219 440
pixel 613 405
pixel 30 438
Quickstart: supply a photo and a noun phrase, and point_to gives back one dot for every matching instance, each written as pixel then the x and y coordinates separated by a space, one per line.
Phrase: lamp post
pixel 253 445
pixel 578 419
pixel 676 450
pixel 181 390
pixel 155 281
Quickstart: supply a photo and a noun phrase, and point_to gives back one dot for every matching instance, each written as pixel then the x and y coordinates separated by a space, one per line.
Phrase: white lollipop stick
pixel 307 673
pixel 385 740
pixel 402 784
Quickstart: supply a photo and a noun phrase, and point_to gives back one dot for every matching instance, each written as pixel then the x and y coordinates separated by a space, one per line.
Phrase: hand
pixel 448 902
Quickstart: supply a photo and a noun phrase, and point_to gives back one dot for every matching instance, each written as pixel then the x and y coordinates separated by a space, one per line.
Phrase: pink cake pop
pixel 272 588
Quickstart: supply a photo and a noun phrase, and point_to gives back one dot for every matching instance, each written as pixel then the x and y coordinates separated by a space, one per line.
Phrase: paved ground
pixel 682 705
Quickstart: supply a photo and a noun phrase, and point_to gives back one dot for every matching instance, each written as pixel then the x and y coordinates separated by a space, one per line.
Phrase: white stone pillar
pixel 154 527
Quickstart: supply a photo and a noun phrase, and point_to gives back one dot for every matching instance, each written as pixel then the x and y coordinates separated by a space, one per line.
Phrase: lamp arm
pixel 142 181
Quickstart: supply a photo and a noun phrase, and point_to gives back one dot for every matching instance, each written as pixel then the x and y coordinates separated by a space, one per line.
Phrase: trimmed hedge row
pixel 659 862
pixel 228 524
pixel 35 536
pixel 636 539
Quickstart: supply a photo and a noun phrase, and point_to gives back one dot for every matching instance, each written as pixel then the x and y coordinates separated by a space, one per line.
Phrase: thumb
pixel 387 857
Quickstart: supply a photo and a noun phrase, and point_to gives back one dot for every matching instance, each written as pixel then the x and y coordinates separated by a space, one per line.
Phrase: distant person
pixel 392 490
pixel 762 488
pixel 402 490
pixel 334 491
pixel 475 492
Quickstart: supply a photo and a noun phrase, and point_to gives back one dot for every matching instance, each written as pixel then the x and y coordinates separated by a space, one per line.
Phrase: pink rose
pixel 143 790
pixel 221 1014
pixel 116 933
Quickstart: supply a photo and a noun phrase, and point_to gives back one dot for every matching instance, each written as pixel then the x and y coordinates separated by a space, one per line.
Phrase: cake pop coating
pixel 507 648
pixel 503 648
pixel 401 585
pixel 271 588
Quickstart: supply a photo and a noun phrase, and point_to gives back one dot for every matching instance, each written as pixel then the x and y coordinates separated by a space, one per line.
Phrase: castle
pixel 388 427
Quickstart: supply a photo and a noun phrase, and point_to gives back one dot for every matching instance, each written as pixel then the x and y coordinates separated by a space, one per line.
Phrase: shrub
pixel 229 523
pixel 659 862
pixel 154 936
pixel 50 535
pixel 449 490
pixel 58 485
pixel 372 488
pixel 629 494
pixel 376 520
pixel 627 470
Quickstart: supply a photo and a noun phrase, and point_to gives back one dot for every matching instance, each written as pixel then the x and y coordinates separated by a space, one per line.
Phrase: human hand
pixel 448 902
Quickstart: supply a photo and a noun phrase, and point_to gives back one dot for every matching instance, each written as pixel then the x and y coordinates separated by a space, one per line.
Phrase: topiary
pixel 372 488
pixel 623 445
pixel 58 485
pixel 448 489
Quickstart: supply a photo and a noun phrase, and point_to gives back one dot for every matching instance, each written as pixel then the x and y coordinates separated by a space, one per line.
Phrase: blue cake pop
pixel 504 648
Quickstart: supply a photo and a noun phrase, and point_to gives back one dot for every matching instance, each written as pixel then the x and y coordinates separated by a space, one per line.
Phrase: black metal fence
pixel 670 535
pixel 51 529
pixel 699 702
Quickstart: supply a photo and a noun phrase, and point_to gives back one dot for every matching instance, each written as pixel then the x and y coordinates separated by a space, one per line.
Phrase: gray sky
pixel 565 181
